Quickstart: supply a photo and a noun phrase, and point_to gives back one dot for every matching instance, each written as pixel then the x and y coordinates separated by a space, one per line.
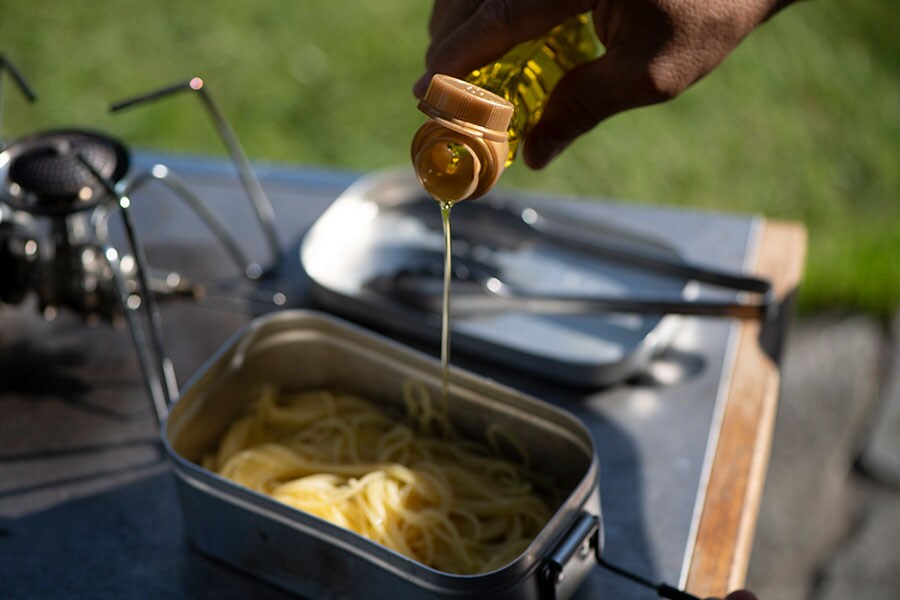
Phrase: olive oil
pixel 527 74
pixel 445 305
pixel 488 114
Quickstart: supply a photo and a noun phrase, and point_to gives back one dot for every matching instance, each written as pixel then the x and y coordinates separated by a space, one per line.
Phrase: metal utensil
pixel 478 290
pixel 378 225
pixel 513 224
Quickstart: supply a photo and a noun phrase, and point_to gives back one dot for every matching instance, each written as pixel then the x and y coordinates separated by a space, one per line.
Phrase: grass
pixel 802 122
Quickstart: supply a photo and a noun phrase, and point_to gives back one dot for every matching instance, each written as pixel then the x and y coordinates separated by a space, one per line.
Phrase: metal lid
pixel 468 105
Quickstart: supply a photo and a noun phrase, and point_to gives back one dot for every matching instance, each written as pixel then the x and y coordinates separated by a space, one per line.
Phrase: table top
pixel 87 504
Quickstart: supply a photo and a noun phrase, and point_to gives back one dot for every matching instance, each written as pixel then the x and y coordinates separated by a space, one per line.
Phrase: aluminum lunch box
pixel 305 555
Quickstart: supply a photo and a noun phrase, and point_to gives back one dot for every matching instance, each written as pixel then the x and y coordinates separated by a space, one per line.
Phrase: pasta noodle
pixel 413 486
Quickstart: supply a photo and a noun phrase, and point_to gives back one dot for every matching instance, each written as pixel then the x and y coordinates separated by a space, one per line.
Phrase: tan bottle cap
pixel 463 104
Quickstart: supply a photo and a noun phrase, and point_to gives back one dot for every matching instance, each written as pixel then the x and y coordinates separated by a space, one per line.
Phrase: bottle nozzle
pixel 448 169
pixel 462 150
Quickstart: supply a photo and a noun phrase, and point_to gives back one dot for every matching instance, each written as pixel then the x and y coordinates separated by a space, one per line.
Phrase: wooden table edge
pixel 724 538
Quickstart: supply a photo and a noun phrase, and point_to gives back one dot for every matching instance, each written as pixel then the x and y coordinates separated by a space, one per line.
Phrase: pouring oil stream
pixel 445 307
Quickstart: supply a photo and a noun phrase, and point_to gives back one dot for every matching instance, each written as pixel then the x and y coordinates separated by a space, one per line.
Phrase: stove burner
pixel 45 174
pixel 55 241
pixel 53 169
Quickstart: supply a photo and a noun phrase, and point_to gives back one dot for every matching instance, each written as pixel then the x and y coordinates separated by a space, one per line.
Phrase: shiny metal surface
pixel 75 179
pixel 81 466
pixel 299 350
pixel 383 222
pixel 479 293
pixel 262 207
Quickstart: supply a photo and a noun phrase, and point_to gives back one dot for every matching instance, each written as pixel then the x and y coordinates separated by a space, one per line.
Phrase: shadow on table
pixel 124 543
pixel 132 456
pixel 622 498
pixel 48 361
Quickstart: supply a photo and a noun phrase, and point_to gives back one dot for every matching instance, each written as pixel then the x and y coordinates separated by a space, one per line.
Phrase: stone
pixel 867 566
pixel 880 457
pixel 829 388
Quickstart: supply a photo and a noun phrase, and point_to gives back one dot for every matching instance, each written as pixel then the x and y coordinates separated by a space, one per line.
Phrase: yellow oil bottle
pixel 476 125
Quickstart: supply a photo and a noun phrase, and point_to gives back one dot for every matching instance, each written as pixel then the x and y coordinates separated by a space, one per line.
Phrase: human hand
pixel 655 49
pixel 738 595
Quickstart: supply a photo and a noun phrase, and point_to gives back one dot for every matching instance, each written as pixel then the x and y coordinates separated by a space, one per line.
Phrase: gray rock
pixel 881 454
pixel 867 566
pixel 829 387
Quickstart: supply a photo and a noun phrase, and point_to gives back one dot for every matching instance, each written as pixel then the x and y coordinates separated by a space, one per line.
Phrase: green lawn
pixel 802 122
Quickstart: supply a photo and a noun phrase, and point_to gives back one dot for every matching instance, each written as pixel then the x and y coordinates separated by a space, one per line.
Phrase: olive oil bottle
pixel 527 74
pixel 476 125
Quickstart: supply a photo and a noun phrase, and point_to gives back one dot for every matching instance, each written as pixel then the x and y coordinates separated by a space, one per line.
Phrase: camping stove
pixel 59 191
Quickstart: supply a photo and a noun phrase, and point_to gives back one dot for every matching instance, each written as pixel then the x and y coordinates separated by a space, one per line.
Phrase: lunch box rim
pixel 532 559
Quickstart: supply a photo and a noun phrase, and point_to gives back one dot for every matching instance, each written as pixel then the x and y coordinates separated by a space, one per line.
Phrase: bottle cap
pixel 469 106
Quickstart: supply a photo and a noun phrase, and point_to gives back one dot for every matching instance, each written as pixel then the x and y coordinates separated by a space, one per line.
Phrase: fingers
pixel 586 96
pixel 447 15
pixel 490 30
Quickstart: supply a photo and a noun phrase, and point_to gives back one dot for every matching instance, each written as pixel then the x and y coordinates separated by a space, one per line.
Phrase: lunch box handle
pixel 570 561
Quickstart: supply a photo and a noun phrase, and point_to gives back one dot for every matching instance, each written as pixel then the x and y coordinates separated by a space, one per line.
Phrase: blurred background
pixel 802 122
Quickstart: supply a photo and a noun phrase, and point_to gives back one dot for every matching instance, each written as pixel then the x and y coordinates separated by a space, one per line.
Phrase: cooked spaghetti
pixel 415 487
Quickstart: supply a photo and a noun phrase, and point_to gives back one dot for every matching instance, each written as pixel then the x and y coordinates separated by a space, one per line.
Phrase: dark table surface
pixel 87 503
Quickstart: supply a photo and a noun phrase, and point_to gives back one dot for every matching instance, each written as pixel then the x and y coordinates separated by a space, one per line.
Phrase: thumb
pixel 493 28
pixel 584 97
